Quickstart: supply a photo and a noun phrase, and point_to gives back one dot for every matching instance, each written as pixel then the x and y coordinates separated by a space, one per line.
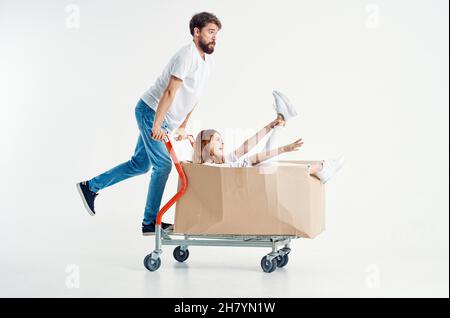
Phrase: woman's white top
pixel 232 161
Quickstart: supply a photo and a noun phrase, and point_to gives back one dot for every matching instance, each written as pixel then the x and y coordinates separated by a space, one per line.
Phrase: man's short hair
pixel 201 19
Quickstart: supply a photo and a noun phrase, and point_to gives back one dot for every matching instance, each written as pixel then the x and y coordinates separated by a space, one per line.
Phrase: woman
pixel 209 145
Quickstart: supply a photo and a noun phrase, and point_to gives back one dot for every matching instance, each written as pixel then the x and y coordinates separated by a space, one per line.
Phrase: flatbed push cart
pixel 279 244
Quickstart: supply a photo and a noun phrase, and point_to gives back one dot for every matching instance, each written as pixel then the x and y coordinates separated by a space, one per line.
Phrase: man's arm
pixel 163 106
pixel 181 131
pixel 184 124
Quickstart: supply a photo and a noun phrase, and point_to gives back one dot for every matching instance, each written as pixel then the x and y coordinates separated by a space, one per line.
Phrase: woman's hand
pixel 279 121
pixel 294 146
pixel 180 134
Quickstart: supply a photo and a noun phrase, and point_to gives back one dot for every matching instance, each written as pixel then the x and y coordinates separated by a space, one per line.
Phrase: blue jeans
pixel 149 153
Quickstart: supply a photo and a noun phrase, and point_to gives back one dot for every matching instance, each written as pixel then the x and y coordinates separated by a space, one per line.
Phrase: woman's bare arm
pixel 263 156
pixel 250 143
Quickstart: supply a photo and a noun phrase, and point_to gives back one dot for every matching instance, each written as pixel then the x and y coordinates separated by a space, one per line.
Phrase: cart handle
pixel 181 174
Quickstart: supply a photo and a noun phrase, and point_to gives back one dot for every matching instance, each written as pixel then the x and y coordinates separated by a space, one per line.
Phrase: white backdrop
pixel 369 80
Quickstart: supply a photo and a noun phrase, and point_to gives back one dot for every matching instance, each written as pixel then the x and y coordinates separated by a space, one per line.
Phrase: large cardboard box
pixel 278 199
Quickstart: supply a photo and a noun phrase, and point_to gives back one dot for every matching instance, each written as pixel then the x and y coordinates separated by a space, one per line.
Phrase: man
pixel 164 107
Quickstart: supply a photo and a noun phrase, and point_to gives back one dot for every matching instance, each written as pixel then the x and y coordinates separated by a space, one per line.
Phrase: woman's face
pixel 216 145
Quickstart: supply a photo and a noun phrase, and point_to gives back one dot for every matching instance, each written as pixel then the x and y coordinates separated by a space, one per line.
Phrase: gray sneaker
pixel 330 168
pixel 283 106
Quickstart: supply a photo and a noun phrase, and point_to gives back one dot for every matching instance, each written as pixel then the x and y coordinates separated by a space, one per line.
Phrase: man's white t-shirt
pixel 189 66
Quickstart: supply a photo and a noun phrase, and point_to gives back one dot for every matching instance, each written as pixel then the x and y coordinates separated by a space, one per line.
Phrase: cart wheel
pixel 180 255
pixel 268 266
pixel 282 260
pixel 152 264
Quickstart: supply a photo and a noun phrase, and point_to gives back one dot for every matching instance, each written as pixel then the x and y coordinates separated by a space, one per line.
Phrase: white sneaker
pixel 283 106
pixel 330 167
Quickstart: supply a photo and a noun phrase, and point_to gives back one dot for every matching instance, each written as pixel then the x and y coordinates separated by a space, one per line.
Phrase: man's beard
pixel 206 47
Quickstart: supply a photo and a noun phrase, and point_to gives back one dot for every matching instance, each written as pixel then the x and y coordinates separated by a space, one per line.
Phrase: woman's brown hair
pixel 201 150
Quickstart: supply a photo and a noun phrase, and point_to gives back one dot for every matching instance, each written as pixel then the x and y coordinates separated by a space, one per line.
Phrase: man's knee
pixel 139 166
pixel 162 167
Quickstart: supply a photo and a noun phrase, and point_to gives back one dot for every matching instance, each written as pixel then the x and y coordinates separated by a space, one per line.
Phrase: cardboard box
pixel 278 199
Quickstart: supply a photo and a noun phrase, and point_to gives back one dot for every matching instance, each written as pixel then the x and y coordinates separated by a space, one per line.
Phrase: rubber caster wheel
pixel 282 260
pixel 180 255
pixel 152 264
pixel 268 266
